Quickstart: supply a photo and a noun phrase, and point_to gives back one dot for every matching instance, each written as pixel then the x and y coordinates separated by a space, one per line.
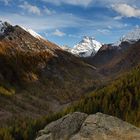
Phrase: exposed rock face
pixel 80 126
pixel 64 127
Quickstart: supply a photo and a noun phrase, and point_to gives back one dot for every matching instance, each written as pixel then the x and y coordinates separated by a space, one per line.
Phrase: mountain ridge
pixel 88 46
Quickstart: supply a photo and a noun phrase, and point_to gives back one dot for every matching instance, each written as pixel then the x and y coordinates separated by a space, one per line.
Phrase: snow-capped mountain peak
pixel 130 37
pixel 87 47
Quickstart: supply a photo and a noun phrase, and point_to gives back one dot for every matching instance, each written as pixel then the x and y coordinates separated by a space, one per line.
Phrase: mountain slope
pixel 105 54
pixel 37 77
pixel 123 60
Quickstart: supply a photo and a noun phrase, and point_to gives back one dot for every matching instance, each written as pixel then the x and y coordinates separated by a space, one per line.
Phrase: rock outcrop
pixel 63 128
pixel 80 126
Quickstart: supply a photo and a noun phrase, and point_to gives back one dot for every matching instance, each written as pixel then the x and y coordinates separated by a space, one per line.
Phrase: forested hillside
pixel 120 98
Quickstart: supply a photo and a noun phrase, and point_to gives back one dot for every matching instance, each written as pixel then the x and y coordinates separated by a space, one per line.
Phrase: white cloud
pixel 109 27
pixel 50 23
pixel 126 10
pixel 30 8
pixel 84 3
pixel 137 26
pixel 40 23
pixel 57 32
pixel 104 31
pixel 48 11
pixel 109 2
pixel 118 17
pixel 74 36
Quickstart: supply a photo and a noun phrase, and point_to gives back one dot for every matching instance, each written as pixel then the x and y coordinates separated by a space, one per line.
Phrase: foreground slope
pixel 80 126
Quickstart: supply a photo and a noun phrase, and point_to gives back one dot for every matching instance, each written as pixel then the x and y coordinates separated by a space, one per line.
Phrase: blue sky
pixel 65 22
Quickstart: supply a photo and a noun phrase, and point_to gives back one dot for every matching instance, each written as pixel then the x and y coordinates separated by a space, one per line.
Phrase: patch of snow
pixel 65 48
pixel 33 33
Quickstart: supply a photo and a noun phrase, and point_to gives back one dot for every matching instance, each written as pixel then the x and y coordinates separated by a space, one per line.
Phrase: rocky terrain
pixel 80 126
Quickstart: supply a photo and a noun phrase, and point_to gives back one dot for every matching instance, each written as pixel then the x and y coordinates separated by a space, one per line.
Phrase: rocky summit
pixel 80 126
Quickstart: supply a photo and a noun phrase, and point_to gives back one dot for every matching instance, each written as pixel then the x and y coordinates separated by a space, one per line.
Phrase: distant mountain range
pixel 88 46
pixel 131 37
